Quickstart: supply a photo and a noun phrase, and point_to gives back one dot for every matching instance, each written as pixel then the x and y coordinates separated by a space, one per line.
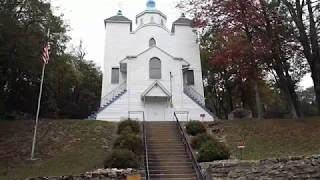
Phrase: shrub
pixel 199 140
pixel 195 127
pixel 121 158
pixel 135 126
pixel 213 150
pixel 130 142
pixel 127 130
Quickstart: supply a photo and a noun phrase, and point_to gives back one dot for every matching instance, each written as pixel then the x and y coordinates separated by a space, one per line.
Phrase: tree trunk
pixel 256 91
pixel 283 85
pixel 293 95
pixel 316 81
pixel 230 100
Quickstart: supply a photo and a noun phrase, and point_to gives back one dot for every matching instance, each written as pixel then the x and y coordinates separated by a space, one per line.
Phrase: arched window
pixel 152 19
pixel 152 42
pixel 155 68
pixel 162 24
pixel 141 21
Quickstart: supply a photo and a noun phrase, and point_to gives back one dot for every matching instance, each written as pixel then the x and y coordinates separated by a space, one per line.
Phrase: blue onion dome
pixel 151 4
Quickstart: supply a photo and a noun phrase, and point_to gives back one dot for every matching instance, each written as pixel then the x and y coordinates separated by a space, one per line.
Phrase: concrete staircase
pixel 167 156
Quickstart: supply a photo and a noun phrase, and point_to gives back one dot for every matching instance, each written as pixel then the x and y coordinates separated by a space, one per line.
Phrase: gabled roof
pixel 175 58
pixel 160 92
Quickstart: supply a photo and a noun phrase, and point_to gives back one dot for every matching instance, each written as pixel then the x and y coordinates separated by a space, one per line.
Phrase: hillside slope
pixel 63 147
pixel 272 137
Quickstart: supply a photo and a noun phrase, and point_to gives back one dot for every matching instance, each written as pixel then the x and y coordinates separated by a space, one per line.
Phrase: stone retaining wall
pixel 280 168
pixel 104 174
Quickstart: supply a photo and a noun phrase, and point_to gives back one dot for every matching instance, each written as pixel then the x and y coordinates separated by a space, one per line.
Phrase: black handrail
pixel 144 132
pixel 189 150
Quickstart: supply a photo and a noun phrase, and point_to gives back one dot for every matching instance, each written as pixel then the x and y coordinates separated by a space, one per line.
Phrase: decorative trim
pixel 156 82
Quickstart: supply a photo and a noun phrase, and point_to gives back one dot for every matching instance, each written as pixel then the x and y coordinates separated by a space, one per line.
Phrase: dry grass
pixel 63 147
pixel 274 137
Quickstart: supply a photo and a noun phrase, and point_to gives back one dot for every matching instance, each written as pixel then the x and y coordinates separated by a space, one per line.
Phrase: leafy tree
pixel 72 85
pixel 247 41
pixel 305 16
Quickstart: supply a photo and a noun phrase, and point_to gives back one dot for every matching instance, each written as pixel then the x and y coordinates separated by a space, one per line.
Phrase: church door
pixel 155 109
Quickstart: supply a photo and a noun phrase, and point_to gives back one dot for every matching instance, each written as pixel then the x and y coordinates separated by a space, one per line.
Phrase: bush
pixel 130 142
pixel 121 158
pixel 199 140
pixel 135 126
pixel 195 127
pixel 213 150
pixel 127 130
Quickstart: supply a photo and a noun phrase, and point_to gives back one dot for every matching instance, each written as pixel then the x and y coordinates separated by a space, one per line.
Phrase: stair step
pixel 163 139
pixel 168 143
pixel 182 160
pixel 159 178
pixel 172 171
pixel 166 150
pixel 185 155
pixel 170 167
pixel 189 175
pixel 171 164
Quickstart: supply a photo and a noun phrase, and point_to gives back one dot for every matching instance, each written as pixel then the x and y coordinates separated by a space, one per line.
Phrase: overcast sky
pixel 85 18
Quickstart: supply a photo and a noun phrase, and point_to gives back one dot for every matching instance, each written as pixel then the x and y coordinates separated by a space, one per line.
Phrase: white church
pixel 151 69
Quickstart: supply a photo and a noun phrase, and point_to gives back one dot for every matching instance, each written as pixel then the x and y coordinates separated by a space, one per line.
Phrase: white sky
pixel 85 18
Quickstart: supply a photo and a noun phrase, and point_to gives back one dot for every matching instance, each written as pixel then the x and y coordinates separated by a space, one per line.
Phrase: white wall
pixel 157 18
pixel 120 42
pixel 116 110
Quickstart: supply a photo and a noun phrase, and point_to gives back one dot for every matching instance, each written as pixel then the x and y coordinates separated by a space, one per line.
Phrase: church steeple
pixel 151 5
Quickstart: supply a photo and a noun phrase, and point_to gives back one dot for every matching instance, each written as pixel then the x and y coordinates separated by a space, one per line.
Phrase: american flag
pixel 45 54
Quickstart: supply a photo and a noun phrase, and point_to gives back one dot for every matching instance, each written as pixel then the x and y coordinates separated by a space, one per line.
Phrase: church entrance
pixel 155 107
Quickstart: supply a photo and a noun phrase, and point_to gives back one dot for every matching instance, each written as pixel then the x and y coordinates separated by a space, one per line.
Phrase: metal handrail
pixel 195 94
pixel 105 99
pixel 144 131
pixel 183 112
pixel 189 150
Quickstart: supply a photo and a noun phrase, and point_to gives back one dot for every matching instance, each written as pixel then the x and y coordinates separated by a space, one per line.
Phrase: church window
pixel 152 42
pixel 190 77
pixel 152 19
pixel 115 76
pixel 141 21
pixel 155 68
pixel 162 22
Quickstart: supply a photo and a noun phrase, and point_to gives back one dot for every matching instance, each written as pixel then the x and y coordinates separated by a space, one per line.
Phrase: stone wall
pixel 100 174
pixel 280 168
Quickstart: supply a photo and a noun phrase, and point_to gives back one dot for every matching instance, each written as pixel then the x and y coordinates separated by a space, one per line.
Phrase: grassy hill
pixel 273 137
pixel 64 147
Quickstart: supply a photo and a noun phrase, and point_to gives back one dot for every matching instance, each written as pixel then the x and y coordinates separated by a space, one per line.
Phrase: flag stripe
pixel 45 54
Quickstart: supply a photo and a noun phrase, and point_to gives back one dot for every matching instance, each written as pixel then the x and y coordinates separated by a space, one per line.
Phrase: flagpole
pixel 38 109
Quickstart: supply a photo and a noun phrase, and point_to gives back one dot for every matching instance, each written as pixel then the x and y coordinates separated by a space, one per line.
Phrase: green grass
pixel 273 138
pixel 64 147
